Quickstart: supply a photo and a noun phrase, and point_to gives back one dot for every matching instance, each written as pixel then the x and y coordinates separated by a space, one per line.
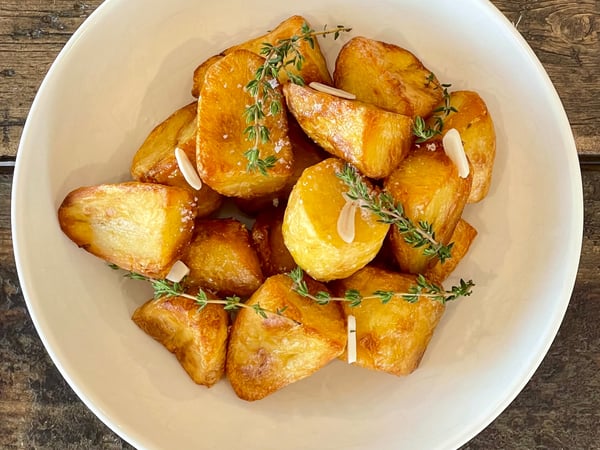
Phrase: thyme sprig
pixel 382 204
pixel 266 99
pixel 420 128
pixel 354 298
pixel 166 288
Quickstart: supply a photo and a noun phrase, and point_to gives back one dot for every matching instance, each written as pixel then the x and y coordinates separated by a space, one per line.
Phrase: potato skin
pixel 197 337
pixel 390 337
pixel 140 227
pixel 222 259
pixel 372 139
pixel 427 185
pixel 476 128
pixel 267 237
pixel 310 225
pixel 267 354
pixel 221 141
pixel 387 76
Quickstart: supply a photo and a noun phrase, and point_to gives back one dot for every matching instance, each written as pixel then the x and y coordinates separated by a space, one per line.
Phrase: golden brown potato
pixel 267 354
pixel 390 337
pixel 221 258
pixel 200 73
pixel 155 161
pixel 306 154
pixel 197 337
pixel 387 76
pixel 274 256
pixel 140 227
pixel 310 229
pixel 373 140
pixel 427 185
pixel 221 142
pixel 474 123
pixel 314 67
pixel 463 236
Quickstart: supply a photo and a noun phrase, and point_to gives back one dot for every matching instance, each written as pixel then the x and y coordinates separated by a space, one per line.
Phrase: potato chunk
pixel 221 258
pixel 463 236
pixel 267 236
pixel 221 142
pixel 197 337
pixel 267 354
pixel 314 67
pixel 310 225
pixel 390 337
pixel 387 76
pixel 473 122
pixel 372 139
pixel 428 186
pixel 155 162
pixel 140 227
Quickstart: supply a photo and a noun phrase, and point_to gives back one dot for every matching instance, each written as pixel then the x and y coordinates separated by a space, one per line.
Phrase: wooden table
pixel 560 406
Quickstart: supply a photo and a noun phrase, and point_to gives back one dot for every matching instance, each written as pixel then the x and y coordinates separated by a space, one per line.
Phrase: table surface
pixel 559 407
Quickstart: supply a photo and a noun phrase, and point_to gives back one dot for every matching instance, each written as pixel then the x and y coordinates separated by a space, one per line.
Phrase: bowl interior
pixel 130 65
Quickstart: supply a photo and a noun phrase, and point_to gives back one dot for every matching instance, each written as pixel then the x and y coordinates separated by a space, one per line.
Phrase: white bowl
pixel 130 65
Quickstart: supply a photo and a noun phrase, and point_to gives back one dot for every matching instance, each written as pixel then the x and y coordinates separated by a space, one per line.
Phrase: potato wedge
pixel 390 337
pixel 267 354
pixel 463 236
pixel 222 259
pixel 476 127
pixel 314 67
pixel 310 225
pixel 267 236
pixel 197 337
pixel 427 185
pixel 221 142
pixel 140 227
pixel 372 139
pixel 155 162
pixel 387 76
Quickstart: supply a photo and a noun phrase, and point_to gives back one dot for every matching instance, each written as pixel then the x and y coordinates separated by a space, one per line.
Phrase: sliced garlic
pixel 331 90
pixel 178 272
pixel 456 152
pixel 351 347
pixel 187 169
pixel 345 222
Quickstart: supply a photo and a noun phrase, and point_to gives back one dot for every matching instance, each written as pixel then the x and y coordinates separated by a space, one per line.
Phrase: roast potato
pixel 476 128
pixel 310 229
pixel 221 258
pixel 428 187
pixel 221 142
pixel 155 162
pixel 274 256
pixel 265 354
pixel 387 76
pixel 463 236
pixel 140 227
pixel 197 337
pixel 390 337
pixel 372 139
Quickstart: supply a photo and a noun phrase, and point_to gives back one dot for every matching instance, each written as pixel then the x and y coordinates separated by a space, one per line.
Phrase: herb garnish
pixel 420 128
pixel 284 55
pixel 383 206
pixel 353 297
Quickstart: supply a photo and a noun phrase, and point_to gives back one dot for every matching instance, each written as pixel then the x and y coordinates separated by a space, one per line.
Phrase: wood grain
pixel 565 35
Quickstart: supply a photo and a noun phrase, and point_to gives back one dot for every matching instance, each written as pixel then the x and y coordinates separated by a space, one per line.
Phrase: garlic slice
pixel 178 272
pixel 187 169
pixel 351 346
pixel 345 222
pixel 331 90
pixel 456 152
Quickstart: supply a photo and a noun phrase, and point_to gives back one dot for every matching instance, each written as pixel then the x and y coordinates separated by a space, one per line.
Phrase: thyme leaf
pixel 423 132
